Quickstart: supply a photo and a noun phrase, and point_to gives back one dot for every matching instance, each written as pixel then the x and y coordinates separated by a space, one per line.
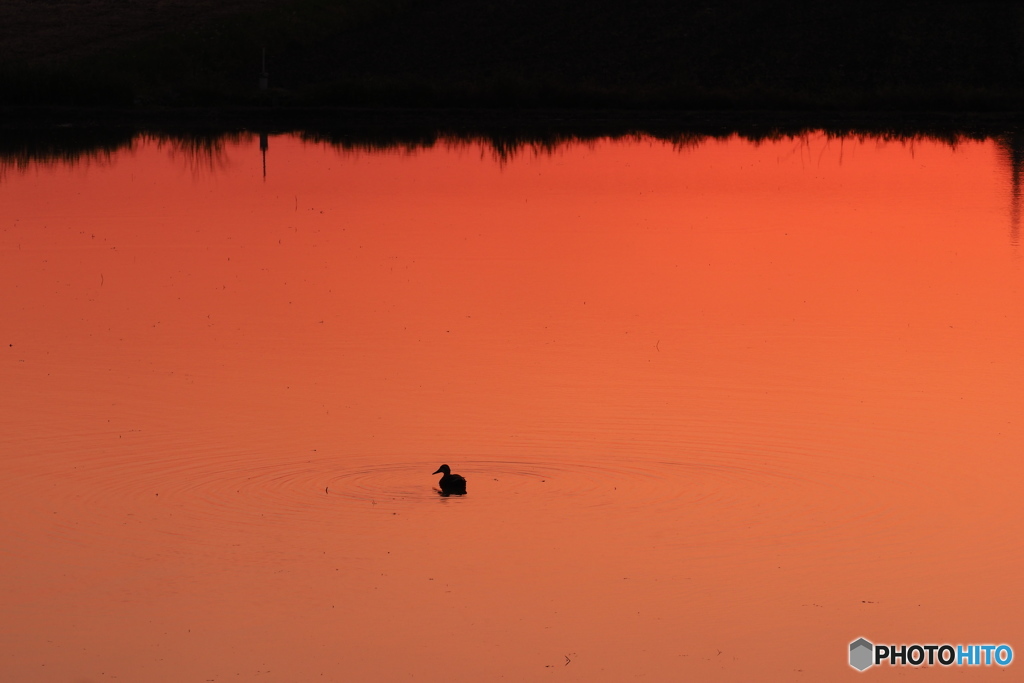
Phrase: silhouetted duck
pixel 451 483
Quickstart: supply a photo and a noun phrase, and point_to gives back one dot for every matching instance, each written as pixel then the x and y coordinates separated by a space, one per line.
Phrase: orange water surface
pixel 723 409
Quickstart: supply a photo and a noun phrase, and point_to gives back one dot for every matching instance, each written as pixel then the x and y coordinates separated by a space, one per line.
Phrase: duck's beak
pixel 437 472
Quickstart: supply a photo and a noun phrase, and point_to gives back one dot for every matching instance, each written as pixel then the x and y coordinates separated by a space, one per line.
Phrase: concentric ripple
pixel 150 484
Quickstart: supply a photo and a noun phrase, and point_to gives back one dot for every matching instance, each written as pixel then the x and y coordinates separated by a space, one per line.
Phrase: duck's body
pixel 451 483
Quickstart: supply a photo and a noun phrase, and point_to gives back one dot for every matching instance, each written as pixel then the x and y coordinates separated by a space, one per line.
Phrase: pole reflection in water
pixel 725 409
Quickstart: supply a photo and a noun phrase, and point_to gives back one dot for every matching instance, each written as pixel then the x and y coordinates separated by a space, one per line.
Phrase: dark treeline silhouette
pixel 645 54
pixel 675 53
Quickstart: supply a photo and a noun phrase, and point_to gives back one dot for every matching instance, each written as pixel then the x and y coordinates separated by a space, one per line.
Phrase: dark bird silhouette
pixel 451 483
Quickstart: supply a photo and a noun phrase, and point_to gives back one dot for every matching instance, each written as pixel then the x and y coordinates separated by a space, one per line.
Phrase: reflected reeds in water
pixel 21 149
pixel 203 150
pixel 504 138
pixel 1011 146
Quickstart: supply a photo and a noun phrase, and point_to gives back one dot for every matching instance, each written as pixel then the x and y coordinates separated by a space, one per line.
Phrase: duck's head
pixel 443 469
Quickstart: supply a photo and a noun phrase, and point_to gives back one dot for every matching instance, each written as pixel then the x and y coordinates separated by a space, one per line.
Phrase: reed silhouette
pixel 201 143
pixel 1012 147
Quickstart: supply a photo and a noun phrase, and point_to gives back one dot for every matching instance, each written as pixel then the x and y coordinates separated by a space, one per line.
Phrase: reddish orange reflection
pixel 722 409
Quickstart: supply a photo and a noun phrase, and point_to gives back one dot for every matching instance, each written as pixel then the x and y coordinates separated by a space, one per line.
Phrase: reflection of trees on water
pixel 505 136
pixel 21 149
pixel 205 150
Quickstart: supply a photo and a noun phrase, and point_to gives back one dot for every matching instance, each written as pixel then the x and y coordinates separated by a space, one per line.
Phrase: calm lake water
pixel 723 408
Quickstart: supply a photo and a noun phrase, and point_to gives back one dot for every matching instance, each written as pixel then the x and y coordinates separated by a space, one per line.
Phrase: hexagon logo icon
pixel 860 654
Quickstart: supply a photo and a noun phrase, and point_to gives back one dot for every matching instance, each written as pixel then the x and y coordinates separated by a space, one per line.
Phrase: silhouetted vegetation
pixel 646 54
pixel 192 134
